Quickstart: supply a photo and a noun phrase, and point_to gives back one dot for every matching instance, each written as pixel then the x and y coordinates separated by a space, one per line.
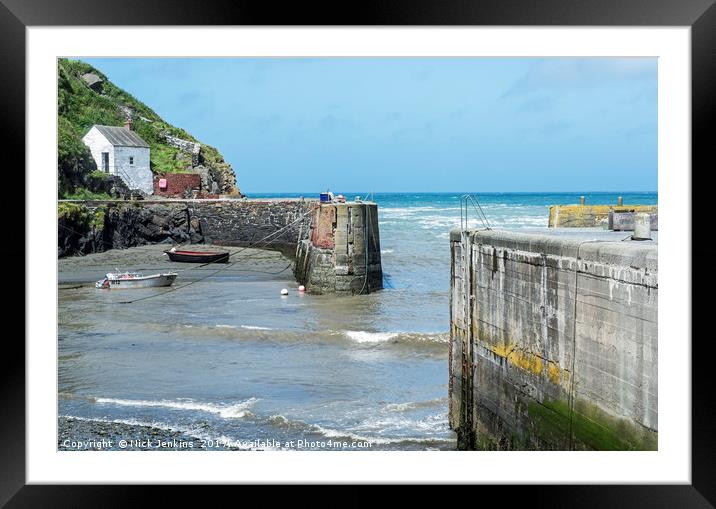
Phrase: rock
pixel 93 81
pixel 190 148
pixel 113 185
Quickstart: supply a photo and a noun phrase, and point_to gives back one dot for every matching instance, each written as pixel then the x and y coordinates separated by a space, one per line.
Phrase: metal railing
pixel 117 171
pixel 468 201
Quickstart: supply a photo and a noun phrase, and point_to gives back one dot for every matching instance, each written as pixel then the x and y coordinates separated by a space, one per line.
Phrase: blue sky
pixel 412 124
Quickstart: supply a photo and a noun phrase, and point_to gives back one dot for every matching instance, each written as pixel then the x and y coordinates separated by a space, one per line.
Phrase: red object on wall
pixel 176 184
pixel 322 235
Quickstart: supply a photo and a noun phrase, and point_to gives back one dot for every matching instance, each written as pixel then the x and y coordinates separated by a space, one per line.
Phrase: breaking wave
pixel 370 337
pixel 282 422
pixel 250 332
pixel 414 405
pixel 233 411
pixel 438 338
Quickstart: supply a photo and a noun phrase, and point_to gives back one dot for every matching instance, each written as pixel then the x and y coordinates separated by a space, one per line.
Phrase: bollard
pixel 581 200
pixel 642 226
pixel 620 201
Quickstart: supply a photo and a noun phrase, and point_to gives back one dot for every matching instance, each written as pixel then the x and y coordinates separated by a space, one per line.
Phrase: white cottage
pixel 120 151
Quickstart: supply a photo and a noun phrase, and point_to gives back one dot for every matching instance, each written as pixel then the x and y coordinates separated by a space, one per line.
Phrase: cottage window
pixel 131 160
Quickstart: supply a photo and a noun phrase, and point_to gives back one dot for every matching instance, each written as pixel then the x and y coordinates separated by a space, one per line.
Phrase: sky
pixel 412 124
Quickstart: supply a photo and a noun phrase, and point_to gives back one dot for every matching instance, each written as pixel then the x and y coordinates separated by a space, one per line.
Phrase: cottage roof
pixel 121 136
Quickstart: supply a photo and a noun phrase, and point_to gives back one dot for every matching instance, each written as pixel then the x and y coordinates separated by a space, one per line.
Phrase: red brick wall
pixel 177 184
pixel 322 235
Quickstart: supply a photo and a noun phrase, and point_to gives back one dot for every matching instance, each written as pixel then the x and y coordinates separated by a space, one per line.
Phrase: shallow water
pixel 227 363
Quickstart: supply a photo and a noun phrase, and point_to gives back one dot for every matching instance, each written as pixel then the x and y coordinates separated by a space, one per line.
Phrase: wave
pixel 370 337
pixel 126 422
pixel 254 333
pixel 233 411
pixel 378 430
pixel 397 337
pixel 283 422
pixel 394 422
pixel 414 405
pixel 247 327
pixel 398 211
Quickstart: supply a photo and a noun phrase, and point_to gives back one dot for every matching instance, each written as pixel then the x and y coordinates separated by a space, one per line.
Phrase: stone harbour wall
pixel 246 222
pixel 553 342
pixel 342 253
pixel 336 245
pixel 94 226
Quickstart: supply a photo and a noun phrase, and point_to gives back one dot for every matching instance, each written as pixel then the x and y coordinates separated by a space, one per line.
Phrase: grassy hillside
pixel 79 107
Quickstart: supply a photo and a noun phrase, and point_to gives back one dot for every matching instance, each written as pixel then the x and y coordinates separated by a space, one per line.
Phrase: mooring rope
pixel 300 218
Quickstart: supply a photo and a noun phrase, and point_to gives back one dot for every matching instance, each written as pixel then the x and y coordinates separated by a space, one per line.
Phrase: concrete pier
pixel 553 340
pixel 589 216
pixel 342 253
pixel 624 221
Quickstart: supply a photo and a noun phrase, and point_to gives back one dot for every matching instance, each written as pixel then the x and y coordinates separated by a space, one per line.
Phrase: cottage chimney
pixel 128 124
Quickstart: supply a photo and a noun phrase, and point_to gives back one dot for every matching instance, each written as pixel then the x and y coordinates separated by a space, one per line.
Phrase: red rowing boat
pixel 198 256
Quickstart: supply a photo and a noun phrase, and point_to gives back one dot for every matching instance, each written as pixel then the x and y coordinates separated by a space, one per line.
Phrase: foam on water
pixel 127 422
pixel 414 405
pixel 227 411
pixel 347 434
pixel 370 337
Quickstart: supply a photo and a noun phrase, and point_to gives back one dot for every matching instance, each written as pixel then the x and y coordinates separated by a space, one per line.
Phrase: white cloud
pixel 564 73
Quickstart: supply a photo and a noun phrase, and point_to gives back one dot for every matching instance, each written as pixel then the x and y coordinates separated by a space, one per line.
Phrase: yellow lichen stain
pixel 590 215
pixel 530 362
pixel 501 350
pixel 553 372
pixel 519 357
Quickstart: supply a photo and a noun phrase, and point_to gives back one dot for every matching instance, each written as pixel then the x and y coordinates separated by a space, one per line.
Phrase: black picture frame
pixel 16 15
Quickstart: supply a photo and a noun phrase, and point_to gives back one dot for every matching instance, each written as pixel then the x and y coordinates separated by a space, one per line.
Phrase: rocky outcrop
pixel 113 185
pixel 217 177
pixel 93 81
pixel 190 147
pixel 139 225
pixel 89 227
pixel 87 97
pixel 84 229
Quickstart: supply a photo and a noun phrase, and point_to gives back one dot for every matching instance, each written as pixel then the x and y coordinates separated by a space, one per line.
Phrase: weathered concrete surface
pixel 342 254
pixel 624 221
pixel 587 216
pixel 553 341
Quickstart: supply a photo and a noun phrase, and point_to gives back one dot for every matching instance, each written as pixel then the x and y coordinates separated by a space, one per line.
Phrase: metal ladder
pixel 468 201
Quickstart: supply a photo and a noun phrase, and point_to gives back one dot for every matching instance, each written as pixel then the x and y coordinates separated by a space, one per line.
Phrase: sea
pixel 229 364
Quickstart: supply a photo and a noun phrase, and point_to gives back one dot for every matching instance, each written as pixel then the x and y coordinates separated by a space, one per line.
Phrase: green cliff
pixel 86 97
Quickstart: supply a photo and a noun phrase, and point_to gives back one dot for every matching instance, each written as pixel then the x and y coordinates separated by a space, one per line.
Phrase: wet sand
pixel 85 270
